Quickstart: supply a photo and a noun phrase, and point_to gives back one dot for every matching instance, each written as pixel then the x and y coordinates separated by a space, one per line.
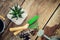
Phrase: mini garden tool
pixel 31 21
pixel 32 26
pixel 41 32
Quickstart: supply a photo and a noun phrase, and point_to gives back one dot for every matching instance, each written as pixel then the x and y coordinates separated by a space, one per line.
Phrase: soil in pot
pixel 1 25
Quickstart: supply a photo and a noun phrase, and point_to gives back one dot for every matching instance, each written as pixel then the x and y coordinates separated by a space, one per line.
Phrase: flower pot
pixel 2 26
pixel 19 21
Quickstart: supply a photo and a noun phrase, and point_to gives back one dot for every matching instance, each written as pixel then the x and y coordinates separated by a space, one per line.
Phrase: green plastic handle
pixel 33 26
pixel 32 20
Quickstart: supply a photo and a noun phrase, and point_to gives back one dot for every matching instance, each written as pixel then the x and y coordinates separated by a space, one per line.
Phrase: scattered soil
pixel 51 31
pixel 1 25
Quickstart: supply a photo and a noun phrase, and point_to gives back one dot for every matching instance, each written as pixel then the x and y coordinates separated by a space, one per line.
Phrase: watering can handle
pixel 2 17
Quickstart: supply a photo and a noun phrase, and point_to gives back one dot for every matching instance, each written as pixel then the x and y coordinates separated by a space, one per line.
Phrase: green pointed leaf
pixel 16 8
pixel 20 16
pixel 16 17
pixel 19 10
pixel 12 9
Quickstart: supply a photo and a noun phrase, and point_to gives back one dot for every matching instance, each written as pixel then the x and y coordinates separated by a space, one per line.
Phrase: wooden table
pixel 43 8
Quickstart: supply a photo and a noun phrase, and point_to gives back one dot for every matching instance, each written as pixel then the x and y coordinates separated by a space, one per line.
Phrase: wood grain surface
pixel 53 25
pixel 43 8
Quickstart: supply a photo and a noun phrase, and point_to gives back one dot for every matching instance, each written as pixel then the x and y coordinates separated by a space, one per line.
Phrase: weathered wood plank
pixel 45 11
pixel 55 20
pixel 53 25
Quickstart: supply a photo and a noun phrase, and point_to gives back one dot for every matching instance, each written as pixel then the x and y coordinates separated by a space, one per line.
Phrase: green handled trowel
pixel 29 22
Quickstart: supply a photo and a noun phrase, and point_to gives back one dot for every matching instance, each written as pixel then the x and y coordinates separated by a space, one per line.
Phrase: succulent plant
pixel 16 12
